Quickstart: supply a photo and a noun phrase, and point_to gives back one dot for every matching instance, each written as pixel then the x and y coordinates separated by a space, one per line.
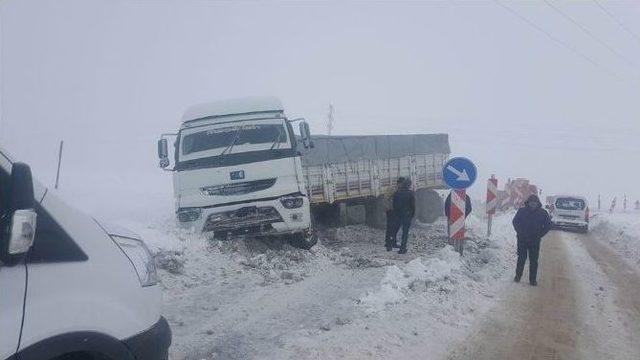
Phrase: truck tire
pixel 429 205
pixel 303 241
pixel 376 216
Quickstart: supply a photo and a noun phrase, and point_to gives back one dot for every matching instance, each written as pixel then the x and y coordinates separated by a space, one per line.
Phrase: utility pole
pixel 330 120
pixel 59 162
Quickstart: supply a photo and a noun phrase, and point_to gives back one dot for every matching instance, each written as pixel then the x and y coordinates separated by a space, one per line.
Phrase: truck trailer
pixel 239 169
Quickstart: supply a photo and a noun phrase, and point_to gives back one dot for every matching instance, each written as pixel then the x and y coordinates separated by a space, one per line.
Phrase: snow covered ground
pixel 622 232
pixel 347 298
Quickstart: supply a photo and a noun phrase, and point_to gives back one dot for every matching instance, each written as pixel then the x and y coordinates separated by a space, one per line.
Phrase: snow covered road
pixel 587 306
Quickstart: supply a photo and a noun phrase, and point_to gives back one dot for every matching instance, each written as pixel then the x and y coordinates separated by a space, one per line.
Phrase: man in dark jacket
pixel 531 224
pixel 393 222
pixel 404 206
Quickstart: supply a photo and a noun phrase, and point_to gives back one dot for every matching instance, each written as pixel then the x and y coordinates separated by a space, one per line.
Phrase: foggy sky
pixel 109 76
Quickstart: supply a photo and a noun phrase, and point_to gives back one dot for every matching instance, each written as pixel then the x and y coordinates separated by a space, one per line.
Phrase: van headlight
pixel 140 257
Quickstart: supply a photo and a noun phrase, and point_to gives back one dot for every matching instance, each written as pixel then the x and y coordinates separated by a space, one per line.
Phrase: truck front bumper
pixel 262 217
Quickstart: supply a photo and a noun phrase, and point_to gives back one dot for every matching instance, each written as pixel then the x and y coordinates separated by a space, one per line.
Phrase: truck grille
pixel 238 188
pixel 258 219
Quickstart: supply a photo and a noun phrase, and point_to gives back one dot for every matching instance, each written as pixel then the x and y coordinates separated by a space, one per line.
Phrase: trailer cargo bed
pixel 345 168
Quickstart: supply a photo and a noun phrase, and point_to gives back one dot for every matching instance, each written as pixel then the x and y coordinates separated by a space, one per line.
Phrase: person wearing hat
pixel 404 206
pixel 531 223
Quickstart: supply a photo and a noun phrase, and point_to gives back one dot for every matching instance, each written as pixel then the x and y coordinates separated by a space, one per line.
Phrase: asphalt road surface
pixel 586 306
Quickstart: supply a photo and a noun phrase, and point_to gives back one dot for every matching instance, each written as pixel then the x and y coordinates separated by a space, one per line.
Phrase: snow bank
pixel 417 274
pixel 485 259
pixel 622 232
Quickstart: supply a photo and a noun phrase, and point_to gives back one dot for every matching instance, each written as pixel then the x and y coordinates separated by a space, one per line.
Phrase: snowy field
pixel 622 232
pixel 347 298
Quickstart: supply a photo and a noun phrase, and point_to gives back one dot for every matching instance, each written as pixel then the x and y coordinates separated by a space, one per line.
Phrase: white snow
pixel 398 282
pixel 347 297
pixel 622 233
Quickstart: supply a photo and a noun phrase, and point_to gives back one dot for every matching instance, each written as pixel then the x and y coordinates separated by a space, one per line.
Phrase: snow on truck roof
pixel 247 105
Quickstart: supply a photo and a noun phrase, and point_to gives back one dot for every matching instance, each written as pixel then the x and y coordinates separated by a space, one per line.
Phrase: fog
pixel 520 89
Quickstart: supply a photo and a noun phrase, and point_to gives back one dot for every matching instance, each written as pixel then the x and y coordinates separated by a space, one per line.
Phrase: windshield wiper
pixel 235 138
pixel 277 141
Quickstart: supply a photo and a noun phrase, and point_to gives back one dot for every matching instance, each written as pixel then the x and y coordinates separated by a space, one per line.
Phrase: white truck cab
pixel 237 171
pixel 570 212
pixel 70 287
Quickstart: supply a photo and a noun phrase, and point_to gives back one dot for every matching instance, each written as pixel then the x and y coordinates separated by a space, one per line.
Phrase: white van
pixel 570 212
pixel 71 288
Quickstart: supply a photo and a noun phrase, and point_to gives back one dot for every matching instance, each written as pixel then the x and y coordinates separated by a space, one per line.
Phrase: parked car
pixel 71 287
pixel 570 212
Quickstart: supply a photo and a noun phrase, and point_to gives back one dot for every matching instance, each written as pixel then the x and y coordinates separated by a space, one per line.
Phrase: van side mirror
pixel 305 134
pixel 19 227
pixel 163 153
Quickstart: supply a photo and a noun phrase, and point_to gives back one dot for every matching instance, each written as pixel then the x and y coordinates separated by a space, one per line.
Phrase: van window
pixel 570 204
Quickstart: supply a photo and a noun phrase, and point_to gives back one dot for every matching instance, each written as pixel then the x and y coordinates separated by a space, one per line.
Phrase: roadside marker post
pixel 456 218
pixel 492 201
pixel 459 174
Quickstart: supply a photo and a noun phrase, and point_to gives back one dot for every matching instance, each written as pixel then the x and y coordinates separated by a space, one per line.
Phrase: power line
pixel 589 33
pixel 557 40
pixel 620 23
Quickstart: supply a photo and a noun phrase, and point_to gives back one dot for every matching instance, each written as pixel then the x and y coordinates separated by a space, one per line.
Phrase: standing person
pixel 531 224
pixel 393 222
pixel 404 206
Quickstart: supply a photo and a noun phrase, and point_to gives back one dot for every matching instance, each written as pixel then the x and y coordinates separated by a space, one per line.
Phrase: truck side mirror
pixel 163 153
pixel 305 134
pixel 19 231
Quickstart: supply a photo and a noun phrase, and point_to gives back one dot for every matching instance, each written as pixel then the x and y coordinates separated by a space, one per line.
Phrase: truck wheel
pixel 303 241
pixel 429 205
pixel 585 229
pixel 376 216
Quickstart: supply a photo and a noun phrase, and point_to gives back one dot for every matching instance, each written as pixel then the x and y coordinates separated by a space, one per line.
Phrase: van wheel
pixel 303 241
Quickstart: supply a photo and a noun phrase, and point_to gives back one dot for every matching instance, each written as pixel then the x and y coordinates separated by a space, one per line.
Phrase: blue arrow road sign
pixel 459 173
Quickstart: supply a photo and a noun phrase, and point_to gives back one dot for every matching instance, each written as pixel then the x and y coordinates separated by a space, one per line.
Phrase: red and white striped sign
pixel 492 195
pixel 457 214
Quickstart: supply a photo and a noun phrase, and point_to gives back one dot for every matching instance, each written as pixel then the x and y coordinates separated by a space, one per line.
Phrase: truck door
pixel 13 281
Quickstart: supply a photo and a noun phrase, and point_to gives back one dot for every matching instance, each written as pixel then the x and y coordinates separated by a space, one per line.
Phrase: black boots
pixel 402 251
pixel 516 279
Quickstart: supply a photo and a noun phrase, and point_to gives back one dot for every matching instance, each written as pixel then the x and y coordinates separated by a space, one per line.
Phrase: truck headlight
pixel 291 202
pixel 189 214
pixel 140 257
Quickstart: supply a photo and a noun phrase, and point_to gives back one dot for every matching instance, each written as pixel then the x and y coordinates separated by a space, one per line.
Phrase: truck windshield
pixel 570 204
pixel 233 138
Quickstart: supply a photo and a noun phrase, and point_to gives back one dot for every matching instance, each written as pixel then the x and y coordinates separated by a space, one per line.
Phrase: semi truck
pixel 239 169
